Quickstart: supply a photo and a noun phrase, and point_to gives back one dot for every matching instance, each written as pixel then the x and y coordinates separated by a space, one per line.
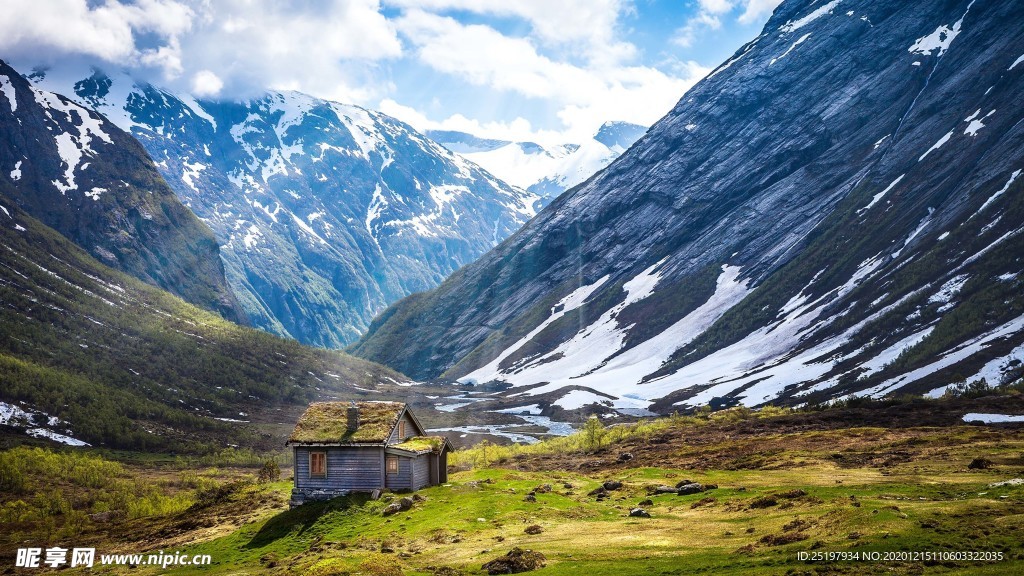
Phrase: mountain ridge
pixel 326 212
pixel 546 171
pixel 777 237
pixel 80 174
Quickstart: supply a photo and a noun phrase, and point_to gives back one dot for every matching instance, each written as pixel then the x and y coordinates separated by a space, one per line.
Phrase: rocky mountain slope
pixel 836 210
pixel 91 355
pixel 325 212
pixel 80 174
pixel 544 171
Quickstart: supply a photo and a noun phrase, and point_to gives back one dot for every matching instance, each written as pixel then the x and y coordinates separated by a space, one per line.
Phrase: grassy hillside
pixel 787 482
pixel 126 365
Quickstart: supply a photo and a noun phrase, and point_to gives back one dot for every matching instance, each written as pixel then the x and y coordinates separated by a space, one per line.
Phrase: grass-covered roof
pixel 327 423
pixel 422 444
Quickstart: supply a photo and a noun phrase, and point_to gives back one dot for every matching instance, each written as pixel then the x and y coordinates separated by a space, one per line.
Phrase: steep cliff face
pixel 78 173
pixel 326 212
pixel 836 209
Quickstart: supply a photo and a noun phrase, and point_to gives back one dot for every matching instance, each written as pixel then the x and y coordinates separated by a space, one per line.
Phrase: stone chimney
pixel 352 415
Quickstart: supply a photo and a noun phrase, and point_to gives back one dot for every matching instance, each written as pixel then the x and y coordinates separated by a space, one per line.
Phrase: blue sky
pixel 543 70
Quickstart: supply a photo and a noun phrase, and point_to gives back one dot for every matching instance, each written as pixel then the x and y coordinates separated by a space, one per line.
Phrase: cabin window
pixel 401 430
pixel 317 464
pixel 392 465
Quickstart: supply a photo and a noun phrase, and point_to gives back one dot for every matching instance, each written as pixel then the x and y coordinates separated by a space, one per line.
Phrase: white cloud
pixel 107 31
pixel 206 84
pixel 584 96
pixel 710 13
pixel 317 47
pixel 589 28
pixel 756 10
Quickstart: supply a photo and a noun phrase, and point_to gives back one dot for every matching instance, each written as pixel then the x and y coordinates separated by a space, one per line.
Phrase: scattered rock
pixel 854 536
pixel 646 502
pixel 612 485
pixel 639 513
pixel 534 529
pixel 529 498
pixel 691 488
pixel 796 525
pixel 665 490
pixel 980 464
pixel 682 483
pixel 568 486
pixel 703 502
pixel 764 502
pixel 542 489
pixel 446 571
pixel 625 457
pixel 711 487
pixel 796 493
pixel 397 506
pixel 750 530
pixel 599 491
pixel 517 560
pixel 782 539
pixel 418 498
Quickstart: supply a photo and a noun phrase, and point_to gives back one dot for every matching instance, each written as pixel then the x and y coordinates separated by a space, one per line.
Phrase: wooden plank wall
pixel 352 468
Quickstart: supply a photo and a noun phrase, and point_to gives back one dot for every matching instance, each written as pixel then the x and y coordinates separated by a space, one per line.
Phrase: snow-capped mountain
pixel 544 171
pixel 325 212
pixel 78 173
pixel 836 210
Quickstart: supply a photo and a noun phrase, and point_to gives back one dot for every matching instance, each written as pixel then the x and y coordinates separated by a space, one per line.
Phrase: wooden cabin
pixel 343 447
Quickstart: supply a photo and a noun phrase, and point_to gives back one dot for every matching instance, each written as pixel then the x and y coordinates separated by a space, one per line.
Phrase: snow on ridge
pixel 72 146
pixel 1015 62
pixel 800 41
pixel 974 123
pixel 880 195
pixel 196 108
pixel 7 89
pixel 579 398
pixel 992 418
pixel 620 375
pixel 16 173
pixel 945 138
pixel 573 300
pixel 792 26
pixel 948 290
pixel 949 358
pixel 939 40
pixel 1013 178
pixel 591 346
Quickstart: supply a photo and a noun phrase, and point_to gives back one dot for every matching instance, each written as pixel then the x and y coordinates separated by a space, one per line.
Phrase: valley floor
pixel 787 483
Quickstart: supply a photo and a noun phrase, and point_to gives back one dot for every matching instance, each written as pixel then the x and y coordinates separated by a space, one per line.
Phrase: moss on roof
pixel 422 444
pixel 327 422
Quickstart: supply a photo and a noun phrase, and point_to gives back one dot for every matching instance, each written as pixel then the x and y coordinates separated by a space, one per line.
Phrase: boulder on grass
pixel 639 513
pixel 691 488
pixel 612 485
pixel 516 561
pixel 400 505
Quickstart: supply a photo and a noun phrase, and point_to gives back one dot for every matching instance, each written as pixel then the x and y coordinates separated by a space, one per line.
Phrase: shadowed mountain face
pixel 77 172
pixel 91 355
pixel 836 209
pixel 326 213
